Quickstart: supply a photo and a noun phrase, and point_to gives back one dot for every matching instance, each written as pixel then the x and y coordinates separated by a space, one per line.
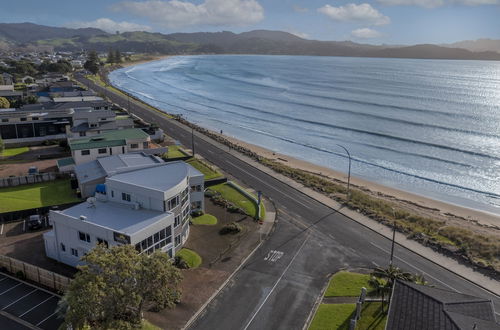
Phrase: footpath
pixel 439 259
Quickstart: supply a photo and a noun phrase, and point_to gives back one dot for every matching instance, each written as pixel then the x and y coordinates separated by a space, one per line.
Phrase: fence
pixel 30 179
pixel 21 214
pixel 36 274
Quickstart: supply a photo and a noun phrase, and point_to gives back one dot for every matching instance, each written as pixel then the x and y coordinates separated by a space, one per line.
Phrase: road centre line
pixel 267 184
pixel 277 282
pixel 12 303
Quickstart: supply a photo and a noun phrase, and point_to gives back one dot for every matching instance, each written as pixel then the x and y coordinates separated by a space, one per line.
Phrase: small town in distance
pixel 148 182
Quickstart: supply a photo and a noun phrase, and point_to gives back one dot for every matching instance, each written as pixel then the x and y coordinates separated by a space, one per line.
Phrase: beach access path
pixel 314 237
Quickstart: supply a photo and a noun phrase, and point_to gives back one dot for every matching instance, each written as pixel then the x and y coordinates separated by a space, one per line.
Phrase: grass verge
pixel 347 284
pixel 205 219
pixel 332 317
pixel 146 325
pixel 235 197
pixel 192 258
pixel 207 171
pixel 14 151
pixel 36 195
pixel 372 317
pixel 175 152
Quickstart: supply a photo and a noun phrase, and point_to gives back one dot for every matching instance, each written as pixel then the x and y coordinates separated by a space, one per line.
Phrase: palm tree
pixel 391 274
pixel 379 287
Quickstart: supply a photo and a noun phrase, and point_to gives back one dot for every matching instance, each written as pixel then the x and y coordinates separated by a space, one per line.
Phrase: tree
pixel 380 287
pixel 92 64
pixel 4 103
pixel 118 56
pixel 2 145
pixel 111 57
pixel 116 285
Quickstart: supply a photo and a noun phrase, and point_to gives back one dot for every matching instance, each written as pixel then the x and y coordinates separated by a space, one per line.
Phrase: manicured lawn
pixel 347 284
pixel 234 196
pixel 146 325
pixel 203 168
pixel 192 258
pixel 36 195
pixel 372 317
pixel 14 151
pixel 205 219
pixel 174 152
pixel 333 317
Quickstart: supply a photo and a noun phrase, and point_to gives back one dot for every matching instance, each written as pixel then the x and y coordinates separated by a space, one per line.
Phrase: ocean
pixel 431 127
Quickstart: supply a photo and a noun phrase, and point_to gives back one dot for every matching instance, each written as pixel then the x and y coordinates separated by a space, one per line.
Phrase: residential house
pixel 108 143
pixel 148 208
pixel 416 306
pixel 90 122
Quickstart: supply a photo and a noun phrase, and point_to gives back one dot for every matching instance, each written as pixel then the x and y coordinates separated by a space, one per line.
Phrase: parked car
pixel 35 222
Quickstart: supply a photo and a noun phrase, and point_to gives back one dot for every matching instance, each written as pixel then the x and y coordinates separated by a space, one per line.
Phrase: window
pixel 196 188
pixel 83 133
pixel 138 247
pixel 101 119
pixel 34 118
pixel 74 252
pixel 23 119
pixel 102 150
pixel 126 197
pixel 112 194
pixel 177 240
pixel 145 145
pixel 157 237
pixel 5 120
pixel 134 146
pixel 155 241
pixel 84 237
pixel 177 221
pixel 63 247
pixel 85 152
pixel 173 202
pixel 102 241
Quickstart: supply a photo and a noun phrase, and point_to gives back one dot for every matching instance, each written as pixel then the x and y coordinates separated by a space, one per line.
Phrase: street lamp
pixel 349 172
pixel 393 237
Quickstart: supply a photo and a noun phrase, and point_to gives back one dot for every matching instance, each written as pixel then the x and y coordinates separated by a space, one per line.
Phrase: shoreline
pixel 421 203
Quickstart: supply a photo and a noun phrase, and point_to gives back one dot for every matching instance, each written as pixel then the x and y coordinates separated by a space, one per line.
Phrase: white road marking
pixel 3 279
pixel 426 274
pixel 273 256
pixel 45 319
pixel 15 286
pixel 267 184
pixel 12 303
pixel 277 282
pixel 32 308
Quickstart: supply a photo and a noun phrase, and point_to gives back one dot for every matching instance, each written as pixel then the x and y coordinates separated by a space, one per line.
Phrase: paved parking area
pixel 28 303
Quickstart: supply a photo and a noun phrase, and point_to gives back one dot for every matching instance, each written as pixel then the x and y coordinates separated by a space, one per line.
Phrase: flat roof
pixel 162 177
pixel 108 139
pixel 116 216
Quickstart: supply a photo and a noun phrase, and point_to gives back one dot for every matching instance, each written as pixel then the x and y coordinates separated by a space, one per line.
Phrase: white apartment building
pixel 148 208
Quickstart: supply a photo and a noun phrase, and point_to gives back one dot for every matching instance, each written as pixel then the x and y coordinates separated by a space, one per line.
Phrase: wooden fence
pixel 36 274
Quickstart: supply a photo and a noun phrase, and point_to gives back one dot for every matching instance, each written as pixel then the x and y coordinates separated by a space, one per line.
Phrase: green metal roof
pixel 65 162
pixel 108 139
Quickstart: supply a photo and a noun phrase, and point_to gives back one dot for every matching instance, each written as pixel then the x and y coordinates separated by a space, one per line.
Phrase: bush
pixel 197 214
pixel 233 209
pixel 180 263
pixel 232 228
pixel 20 275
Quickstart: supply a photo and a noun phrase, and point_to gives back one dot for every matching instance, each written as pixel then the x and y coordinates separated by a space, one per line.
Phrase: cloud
pixel 363 13
pixel 109 25
pixel 437 3
pixel 365 33
pixel 175 13
pixel 299 9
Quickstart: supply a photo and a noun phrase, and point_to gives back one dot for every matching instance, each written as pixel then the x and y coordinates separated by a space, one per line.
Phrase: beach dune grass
pixel 347 284
pixel 36 195
pixel 205 219
pixel 192 258
pixel 333 317
pixel 11 152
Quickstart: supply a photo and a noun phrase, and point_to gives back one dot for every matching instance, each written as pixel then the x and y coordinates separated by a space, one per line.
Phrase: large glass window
pixel 126 197
pixel 84 237
pixel 155 241
pixel 85 152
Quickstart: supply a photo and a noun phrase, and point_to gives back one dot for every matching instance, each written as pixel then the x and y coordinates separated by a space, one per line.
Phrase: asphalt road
pixel 278 286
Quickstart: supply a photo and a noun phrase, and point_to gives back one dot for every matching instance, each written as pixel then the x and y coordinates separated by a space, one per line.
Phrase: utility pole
pixel 348 172
pixel 393 237
pixel 192 140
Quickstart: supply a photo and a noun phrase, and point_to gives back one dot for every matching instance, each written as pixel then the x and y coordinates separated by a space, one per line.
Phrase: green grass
pixel 234 196
pixel 347 284
pixel 208 172
pixel 332 317
pixel 14 151
pixel 146 325
pixel 372 317
pixel 205 219
pixel 175 152
pixel 192 258
pixel 36 195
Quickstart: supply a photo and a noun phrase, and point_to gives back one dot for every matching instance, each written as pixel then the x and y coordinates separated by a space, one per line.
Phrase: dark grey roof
pixel 64 105
pixel 422 307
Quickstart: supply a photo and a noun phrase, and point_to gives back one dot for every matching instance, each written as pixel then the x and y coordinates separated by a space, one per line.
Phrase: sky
pixel 400 22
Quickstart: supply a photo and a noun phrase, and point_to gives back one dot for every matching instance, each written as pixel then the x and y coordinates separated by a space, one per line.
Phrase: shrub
pixel 20 275
pixel 232 228
pixel 180 263
pixel 196 214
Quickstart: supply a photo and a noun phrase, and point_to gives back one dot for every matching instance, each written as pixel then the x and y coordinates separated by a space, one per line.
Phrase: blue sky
pixel 377 21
